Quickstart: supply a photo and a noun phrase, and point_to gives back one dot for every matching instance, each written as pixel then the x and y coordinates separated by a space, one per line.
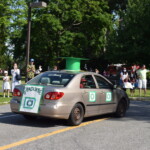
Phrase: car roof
pixel 71 71
pixel 75 72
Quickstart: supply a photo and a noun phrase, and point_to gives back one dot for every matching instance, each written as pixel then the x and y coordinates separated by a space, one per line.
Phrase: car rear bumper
pixel 51 110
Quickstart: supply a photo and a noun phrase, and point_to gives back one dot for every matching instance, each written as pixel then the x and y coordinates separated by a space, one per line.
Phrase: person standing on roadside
pixel 30 70
pixel 142 79
pixel 124 76
pixel 55 68
pixel 96 71
pixel 6 84
pixel 38 71
pixel 15 72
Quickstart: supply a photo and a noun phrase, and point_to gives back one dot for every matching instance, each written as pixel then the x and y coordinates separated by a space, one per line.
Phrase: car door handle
pixel 102 92
pixel 85 91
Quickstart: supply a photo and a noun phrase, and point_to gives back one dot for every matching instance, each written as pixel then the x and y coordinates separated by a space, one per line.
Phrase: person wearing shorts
pixel 142 82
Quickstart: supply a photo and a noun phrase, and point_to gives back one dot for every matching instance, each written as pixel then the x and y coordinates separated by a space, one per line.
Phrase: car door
pixel 90 95
pixel 106 93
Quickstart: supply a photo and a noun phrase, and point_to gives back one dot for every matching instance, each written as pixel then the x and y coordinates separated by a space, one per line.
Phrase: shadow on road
pixel 42 122
pixel 17 119
pixel 139 111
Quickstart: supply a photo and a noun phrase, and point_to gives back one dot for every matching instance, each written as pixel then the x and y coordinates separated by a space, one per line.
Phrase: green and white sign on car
pixel 108 96
pixel 92 96
pixel 31 98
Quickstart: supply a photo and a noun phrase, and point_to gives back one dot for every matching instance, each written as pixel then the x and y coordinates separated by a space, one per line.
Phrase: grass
pixel 4 100
pixel 136 94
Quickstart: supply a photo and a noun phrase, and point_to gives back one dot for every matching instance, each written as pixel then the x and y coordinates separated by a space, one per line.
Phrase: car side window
pixel 102 83
pixel 87 81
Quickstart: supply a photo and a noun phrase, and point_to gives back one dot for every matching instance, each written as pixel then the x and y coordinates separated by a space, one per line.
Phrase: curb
pixel 3 103
pixel 140 98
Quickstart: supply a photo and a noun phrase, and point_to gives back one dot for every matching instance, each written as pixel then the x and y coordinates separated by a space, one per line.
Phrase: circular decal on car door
pixel 108 96
pixel 92 96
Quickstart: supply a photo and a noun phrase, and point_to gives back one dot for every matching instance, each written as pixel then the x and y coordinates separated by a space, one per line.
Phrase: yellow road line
pixel 48 134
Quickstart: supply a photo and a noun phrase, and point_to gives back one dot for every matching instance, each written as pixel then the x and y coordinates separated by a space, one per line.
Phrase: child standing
pixel 6 84
pixel 132 90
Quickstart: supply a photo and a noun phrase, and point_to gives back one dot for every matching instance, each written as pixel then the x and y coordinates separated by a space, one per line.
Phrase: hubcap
pixel 77 114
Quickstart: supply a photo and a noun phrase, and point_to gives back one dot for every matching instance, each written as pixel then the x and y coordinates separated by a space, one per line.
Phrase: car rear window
pixel 52 78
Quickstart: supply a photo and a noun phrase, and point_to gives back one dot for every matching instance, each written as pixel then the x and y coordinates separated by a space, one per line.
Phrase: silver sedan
pixel 68 95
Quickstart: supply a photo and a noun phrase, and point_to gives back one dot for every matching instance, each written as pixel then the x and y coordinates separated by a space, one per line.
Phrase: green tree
pixel 18 21
pixel 68 28
pixel 116 5
pixel 4 23
pixel 130 42
pixel 12 18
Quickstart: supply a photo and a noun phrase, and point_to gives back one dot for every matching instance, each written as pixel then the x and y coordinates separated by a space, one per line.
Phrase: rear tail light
pixel 54 95
pixel 17 92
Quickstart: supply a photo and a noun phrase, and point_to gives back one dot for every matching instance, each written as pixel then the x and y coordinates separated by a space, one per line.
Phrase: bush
pixel 148 75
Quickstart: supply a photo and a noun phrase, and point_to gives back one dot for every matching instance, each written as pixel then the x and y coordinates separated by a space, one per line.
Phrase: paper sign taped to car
pixel 31 99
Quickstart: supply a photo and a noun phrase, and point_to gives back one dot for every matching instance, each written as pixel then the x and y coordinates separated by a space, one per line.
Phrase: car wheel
pixel 28 117
pixel 76 115
pixel 121 109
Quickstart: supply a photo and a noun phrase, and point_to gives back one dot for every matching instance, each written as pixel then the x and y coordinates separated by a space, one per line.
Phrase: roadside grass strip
pixel 48 134
pixel 5 100
pixel 2 102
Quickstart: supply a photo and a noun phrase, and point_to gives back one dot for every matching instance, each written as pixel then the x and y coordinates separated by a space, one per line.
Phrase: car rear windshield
pixel 52 78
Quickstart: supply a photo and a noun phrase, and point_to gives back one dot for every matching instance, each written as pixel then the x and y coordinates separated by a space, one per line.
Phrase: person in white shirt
pixel 142 77
pixel 14 72
pixel 39 70
pixel 6 84
pixel 123 76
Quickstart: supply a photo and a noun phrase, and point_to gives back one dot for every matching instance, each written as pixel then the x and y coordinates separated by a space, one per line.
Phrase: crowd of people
pixel 135 78
pixel 15 80
pixel 9 83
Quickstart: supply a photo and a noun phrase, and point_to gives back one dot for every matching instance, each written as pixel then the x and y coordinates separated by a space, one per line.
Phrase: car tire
pixel 121 109
pixel 28 117
pixel 76 115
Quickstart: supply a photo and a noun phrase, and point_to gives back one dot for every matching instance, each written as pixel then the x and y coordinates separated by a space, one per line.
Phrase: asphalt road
pixel 129 133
